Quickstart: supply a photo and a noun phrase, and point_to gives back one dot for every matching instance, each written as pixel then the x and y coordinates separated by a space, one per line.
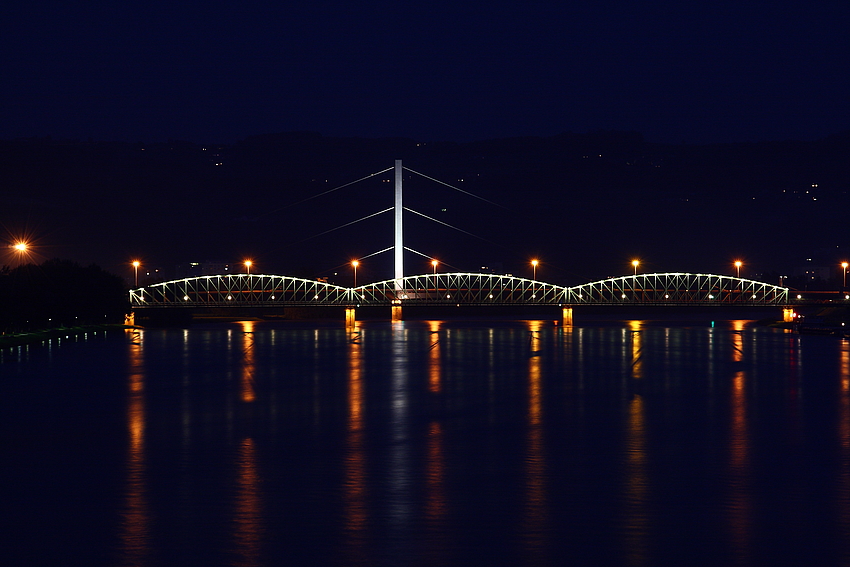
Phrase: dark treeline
pixel 59 293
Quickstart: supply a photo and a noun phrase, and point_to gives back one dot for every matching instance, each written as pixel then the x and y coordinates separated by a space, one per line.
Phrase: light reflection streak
pixel 248 518
pixel 637 362
pixel 434 359
pixel 535 517
pixel 844 452
pixel 135 517
pixel 637 523
pixel 247 521
pixel 435 505
pixel 740 502
pixel 355 505
pixel 248 366
pixel 398 478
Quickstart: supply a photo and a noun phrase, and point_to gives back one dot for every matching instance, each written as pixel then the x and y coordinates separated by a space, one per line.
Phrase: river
pixel 428 443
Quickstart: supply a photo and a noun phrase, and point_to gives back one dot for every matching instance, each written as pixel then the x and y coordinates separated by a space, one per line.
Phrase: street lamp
pixel 248 264
pixel 635 263
pixel 354 264
pixel 534 269
pixel 22 249
pixel 136 265
pixel 844 269
pixel 434 263
pixel 738 265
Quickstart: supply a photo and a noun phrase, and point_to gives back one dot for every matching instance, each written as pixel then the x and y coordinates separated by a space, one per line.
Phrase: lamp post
pixel 635 263
pixel 248 264
pixel 844 270
pixel 534 269
pixel 738 265
pixel 434 263
pixel 136 265
pixel 354 264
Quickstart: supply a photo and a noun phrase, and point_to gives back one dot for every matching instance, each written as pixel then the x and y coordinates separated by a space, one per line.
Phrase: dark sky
pixel 698 72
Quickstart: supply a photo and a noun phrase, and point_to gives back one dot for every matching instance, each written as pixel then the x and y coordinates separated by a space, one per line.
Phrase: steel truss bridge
pixel 256 290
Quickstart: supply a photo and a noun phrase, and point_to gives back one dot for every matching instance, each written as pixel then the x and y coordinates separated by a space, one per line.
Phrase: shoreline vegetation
pixel 35 337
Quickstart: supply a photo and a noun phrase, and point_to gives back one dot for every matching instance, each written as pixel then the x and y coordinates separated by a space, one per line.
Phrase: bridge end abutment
pixel 350 317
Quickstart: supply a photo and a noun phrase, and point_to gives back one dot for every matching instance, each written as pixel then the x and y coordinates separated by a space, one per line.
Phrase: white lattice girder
pixel 459 288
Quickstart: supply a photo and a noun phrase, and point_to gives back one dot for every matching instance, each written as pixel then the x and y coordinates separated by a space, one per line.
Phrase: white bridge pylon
pixel 258 290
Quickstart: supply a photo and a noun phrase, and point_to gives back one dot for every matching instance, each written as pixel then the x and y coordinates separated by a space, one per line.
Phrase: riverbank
pixel 18 339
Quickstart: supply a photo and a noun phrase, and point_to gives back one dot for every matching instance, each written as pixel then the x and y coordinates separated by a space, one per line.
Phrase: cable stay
pixel 326 192
pixel 375 253
pixel 455 188
pixel 342 226
pixel 420 253
pixel 450 226
pixel 429 257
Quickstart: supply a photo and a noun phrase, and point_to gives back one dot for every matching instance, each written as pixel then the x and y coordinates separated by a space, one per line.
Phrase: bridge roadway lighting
pixel 635 263
pixel 534 269
pixel 844 270
pixel 248 264
pixel 434 263
pixel 354 264
pixel 738 264
pixel 136 265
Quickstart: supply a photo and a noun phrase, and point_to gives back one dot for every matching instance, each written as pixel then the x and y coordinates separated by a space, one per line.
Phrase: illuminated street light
pixel 738 265
pixel 354 264
pixel 248 264
pixel 434 263
pixel 136 265
pixel 635 263
pixel 844 269
pixel 534 269
pixel 22 250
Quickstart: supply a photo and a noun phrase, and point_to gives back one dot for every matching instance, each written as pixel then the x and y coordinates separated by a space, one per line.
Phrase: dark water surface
pixel 428 443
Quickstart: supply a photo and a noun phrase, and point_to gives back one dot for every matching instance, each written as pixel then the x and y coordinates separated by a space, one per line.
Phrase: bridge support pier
pixel 396 313
pixel 567 317
pixel 787 314
pixel 350 317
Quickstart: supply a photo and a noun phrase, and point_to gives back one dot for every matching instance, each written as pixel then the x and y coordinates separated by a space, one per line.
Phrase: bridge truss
pixel 241 290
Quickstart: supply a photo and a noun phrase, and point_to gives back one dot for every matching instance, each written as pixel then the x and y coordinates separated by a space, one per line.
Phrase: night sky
pixel 216 72
pixel 224 72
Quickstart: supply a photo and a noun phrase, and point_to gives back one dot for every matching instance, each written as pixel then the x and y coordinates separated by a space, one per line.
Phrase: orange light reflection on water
pixel 434 358
pixel 248 366
pixel 535 517
pixel 355 501
pixel 248 525
pixel 637 485
pixel 135 517
pixel 435 506
pixel 844 451
pixel 637 362
pixel 740 500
